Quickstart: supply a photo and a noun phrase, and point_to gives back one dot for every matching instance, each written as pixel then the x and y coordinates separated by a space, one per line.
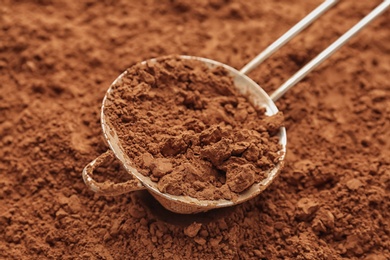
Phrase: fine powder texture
pixel 187 128
pixel 57 60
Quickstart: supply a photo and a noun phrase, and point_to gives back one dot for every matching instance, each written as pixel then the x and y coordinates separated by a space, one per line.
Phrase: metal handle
pixel 329 51
pixel 106 188
pixel 306 21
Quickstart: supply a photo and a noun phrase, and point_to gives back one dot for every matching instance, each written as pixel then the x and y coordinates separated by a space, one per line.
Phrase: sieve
pixel 246 86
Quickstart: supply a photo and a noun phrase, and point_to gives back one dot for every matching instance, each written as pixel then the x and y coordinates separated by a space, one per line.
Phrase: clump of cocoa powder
pixel 186 127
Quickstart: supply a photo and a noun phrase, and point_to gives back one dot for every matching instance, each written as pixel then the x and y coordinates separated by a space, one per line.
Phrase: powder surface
pixel 57 60
pixel 187 127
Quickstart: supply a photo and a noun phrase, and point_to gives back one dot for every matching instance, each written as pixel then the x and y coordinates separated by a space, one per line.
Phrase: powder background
pixel 57 59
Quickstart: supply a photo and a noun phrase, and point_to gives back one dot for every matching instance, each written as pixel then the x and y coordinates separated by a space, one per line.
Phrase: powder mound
pixel 187 127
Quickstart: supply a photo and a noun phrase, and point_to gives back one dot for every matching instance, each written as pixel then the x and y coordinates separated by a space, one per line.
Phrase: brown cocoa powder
pixel 187 127
pixel 57 59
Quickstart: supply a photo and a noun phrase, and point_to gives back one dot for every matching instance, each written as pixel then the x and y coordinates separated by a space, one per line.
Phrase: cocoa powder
pixel 57 60
pixel 187 127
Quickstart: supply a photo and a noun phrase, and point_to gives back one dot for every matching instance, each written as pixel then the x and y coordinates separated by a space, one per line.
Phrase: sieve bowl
pixel 182 204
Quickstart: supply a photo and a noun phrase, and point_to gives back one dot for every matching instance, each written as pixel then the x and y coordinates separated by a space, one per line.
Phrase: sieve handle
pixel 105 188
pixel 330 50
pixel 286 37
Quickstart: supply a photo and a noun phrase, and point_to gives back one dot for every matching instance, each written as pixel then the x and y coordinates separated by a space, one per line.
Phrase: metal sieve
pixel 246 86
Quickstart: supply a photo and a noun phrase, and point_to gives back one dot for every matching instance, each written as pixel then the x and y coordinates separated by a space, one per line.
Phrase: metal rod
pixel 311 17
pixel 329 51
